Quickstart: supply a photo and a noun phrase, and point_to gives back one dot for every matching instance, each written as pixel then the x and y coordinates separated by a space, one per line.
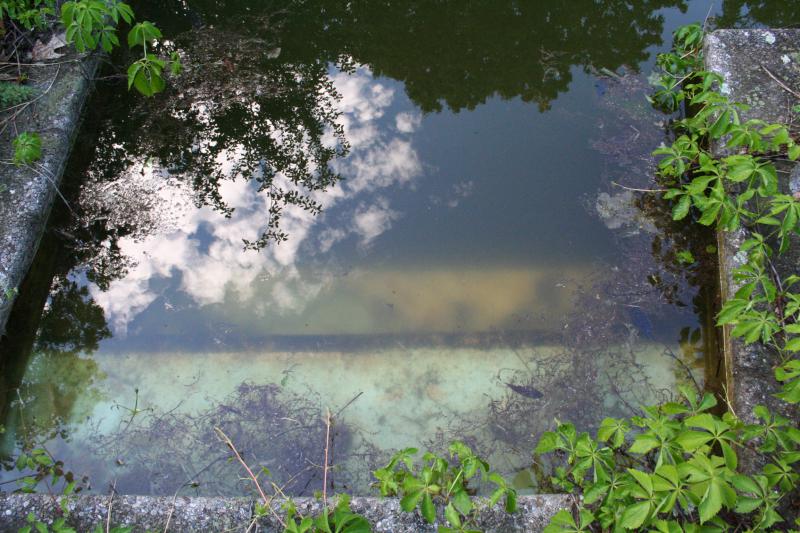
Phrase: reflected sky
pixel 420 195
pixel 297 222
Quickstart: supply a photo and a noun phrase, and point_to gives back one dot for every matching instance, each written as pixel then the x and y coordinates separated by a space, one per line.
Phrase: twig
pixel 347 405
pixel 110 503
pixel 327 447
pixel 668 351
pixel 29 102
pixel 705 20
pixel 779 82
pixel 8 63
pixel 637 190
pixel 728 400
pixel 267 501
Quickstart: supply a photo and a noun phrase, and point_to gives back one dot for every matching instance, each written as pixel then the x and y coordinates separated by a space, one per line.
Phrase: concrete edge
pixel 185 514
pixel 28 193
pixel 740 56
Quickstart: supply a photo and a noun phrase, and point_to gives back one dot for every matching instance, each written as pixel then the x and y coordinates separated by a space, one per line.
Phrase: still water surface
pixel 402 213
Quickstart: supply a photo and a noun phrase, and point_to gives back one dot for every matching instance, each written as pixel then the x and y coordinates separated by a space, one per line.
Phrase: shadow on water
pixel 263 102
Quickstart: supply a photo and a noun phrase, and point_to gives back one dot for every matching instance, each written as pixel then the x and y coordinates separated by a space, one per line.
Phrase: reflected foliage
pixel 747 13
pixel 237 116
pixel 455 54
pixel 255 100
pixel 72 321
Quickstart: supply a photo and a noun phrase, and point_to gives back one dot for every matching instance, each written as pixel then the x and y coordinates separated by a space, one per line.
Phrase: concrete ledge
pixel 743 58
pixel 185 514
pixel 28 193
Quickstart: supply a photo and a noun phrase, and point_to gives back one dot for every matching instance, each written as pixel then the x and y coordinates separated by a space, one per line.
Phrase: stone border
pixel 745 59
pixel 29 193
pixel 189 514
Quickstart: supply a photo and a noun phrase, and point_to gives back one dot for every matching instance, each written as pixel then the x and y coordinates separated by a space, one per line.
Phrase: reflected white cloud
pixel 372 221
pixel 407 122
pixel 213 265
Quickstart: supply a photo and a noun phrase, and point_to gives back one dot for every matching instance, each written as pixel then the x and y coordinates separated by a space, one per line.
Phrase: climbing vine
pixel 676 467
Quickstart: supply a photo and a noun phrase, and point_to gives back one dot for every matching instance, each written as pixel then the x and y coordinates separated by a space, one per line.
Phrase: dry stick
pixel 325 468
pixel 110 503
pixel 782 84
pixel 7 63
pixel 47 174
pixel 267 501
pixel 637 190
pixel 354 398
pixel 172 505
pixel 705 20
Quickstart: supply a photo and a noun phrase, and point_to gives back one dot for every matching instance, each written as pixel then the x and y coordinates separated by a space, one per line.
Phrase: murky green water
pixel 436 249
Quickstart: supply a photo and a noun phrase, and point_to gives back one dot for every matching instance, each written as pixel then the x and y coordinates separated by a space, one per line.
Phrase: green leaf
pixel 634 515
pixel 27 148
pixel 511 501
pixel 452 516
pixel 411 499
pixel 548 442
pixel 711 503
pixel 681 209
pixel 643 443
pixel 142 33
pixel 691 440
pixel 428 509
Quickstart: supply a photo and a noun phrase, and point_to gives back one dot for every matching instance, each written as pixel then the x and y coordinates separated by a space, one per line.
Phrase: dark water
pixel 400 212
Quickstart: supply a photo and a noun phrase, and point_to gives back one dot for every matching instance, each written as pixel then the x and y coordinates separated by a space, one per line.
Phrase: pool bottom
pixel 146 421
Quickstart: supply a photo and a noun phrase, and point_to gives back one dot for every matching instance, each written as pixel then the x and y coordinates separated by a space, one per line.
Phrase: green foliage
pixel 733 191
pixel 93 23
pixel 673 468
pixel 29 13
pixel 442 482
pixel 339 520
pixel 27 148
pixel 12 94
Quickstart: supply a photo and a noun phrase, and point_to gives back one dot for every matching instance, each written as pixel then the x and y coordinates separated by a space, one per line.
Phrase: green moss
pixel 12 94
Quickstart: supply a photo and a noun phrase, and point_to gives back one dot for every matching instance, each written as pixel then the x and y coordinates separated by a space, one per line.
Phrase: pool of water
pixel 414 217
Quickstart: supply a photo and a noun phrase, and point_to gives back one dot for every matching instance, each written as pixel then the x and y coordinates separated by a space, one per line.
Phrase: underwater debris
pixel 525 390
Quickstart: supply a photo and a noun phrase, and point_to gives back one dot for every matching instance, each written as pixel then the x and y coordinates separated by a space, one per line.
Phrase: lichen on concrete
pixel 749 62
pixel 189 514
pixel 27 193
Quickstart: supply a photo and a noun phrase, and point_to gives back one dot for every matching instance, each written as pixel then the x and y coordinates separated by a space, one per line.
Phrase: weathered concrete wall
pixel 27 194
pixel 745 59
pixel 183 514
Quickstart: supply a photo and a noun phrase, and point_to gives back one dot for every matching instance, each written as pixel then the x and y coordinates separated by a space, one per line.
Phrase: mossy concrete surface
pixel 184 514
pixel 760 68
pixel 27 193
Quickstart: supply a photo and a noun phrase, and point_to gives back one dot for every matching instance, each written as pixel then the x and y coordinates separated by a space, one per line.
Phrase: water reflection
pixel 430 265
pixel 747 13
pixel 448 54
